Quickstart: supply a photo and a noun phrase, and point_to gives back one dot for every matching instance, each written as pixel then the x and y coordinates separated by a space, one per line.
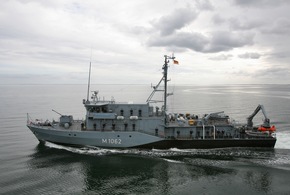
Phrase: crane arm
pixel 266 120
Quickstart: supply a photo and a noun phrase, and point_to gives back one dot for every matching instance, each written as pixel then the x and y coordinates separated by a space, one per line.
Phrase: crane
pixel 266 123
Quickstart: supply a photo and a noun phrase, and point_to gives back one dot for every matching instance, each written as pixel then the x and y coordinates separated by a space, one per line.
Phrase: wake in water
pixel 264 157
pixel 283 141
pixel 90 150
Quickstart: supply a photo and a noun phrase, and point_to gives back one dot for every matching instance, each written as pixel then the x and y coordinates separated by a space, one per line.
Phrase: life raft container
pixel 261 128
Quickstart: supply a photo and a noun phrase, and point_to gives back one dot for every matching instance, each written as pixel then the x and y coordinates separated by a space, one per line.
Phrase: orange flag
pixel 175 62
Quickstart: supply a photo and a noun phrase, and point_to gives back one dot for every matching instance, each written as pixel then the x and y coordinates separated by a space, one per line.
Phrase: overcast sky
pixel 215 42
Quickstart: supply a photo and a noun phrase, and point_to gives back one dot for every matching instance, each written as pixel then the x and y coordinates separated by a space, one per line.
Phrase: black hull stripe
pixel 206 144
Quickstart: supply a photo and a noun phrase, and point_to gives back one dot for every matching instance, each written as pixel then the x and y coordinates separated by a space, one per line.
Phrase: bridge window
pixel 131 112
pixel 140 113
pixel 122 112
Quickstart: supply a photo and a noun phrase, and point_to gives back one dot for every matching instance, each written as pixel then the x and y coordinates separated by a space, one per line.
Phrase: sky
pixel 215 42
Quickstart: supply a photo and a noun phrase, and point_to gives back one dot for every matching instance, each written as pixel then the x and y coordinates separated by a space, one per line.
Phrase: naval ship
pixel 109 124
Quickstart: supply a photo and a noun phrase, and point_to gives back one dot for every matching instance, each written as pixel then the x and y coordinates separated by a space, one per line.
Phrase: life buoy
pixel 261 128
pixel 273 128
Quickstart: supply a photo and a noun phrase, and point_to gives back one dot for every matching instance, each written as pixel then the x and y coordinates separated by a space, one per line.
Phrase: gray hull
pixel 94 138
pixel 140 140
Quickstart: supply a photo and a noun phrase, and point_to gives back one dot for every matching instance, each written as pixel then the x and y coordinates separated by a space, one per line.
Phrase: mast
pixel 89 82
pixel 156 88
pixel 165 68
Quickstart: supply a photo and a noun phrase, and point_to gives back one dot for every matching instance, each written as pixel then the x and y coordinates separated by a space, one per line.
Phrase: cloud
pixel 215 42
pixel 204 5
pixel 250 55
pixel 272 72
pixel 245 24
pixel 259 3
pixel 225 40
pixel 222 57
pixel 180 17
pixel 217 19
pixel 280 26
pixel 55 38
pixel 175 21
pixel 268 73
pixel 193 41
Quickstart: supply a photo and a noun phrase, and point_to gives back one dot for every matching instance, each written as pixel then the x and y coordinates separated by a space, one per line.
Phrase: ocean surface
pixel 26 167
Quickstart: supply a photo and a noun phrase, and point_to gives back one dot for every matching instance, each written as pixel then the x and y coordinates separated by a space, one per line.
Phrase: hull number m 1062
pixel 111 141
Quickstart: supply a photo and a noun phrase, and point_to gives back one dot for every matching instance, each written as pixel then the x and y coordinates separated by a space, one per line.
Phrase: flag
pixel 175 62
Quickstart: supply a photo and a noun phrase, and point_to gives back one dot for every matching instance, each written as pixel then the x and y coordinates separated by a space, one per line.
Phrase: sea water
pixel 26 167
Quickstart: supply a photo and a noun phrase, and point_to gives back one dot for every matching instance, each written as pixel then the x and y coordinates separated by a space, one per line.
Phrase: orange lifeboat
pixel 261 128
